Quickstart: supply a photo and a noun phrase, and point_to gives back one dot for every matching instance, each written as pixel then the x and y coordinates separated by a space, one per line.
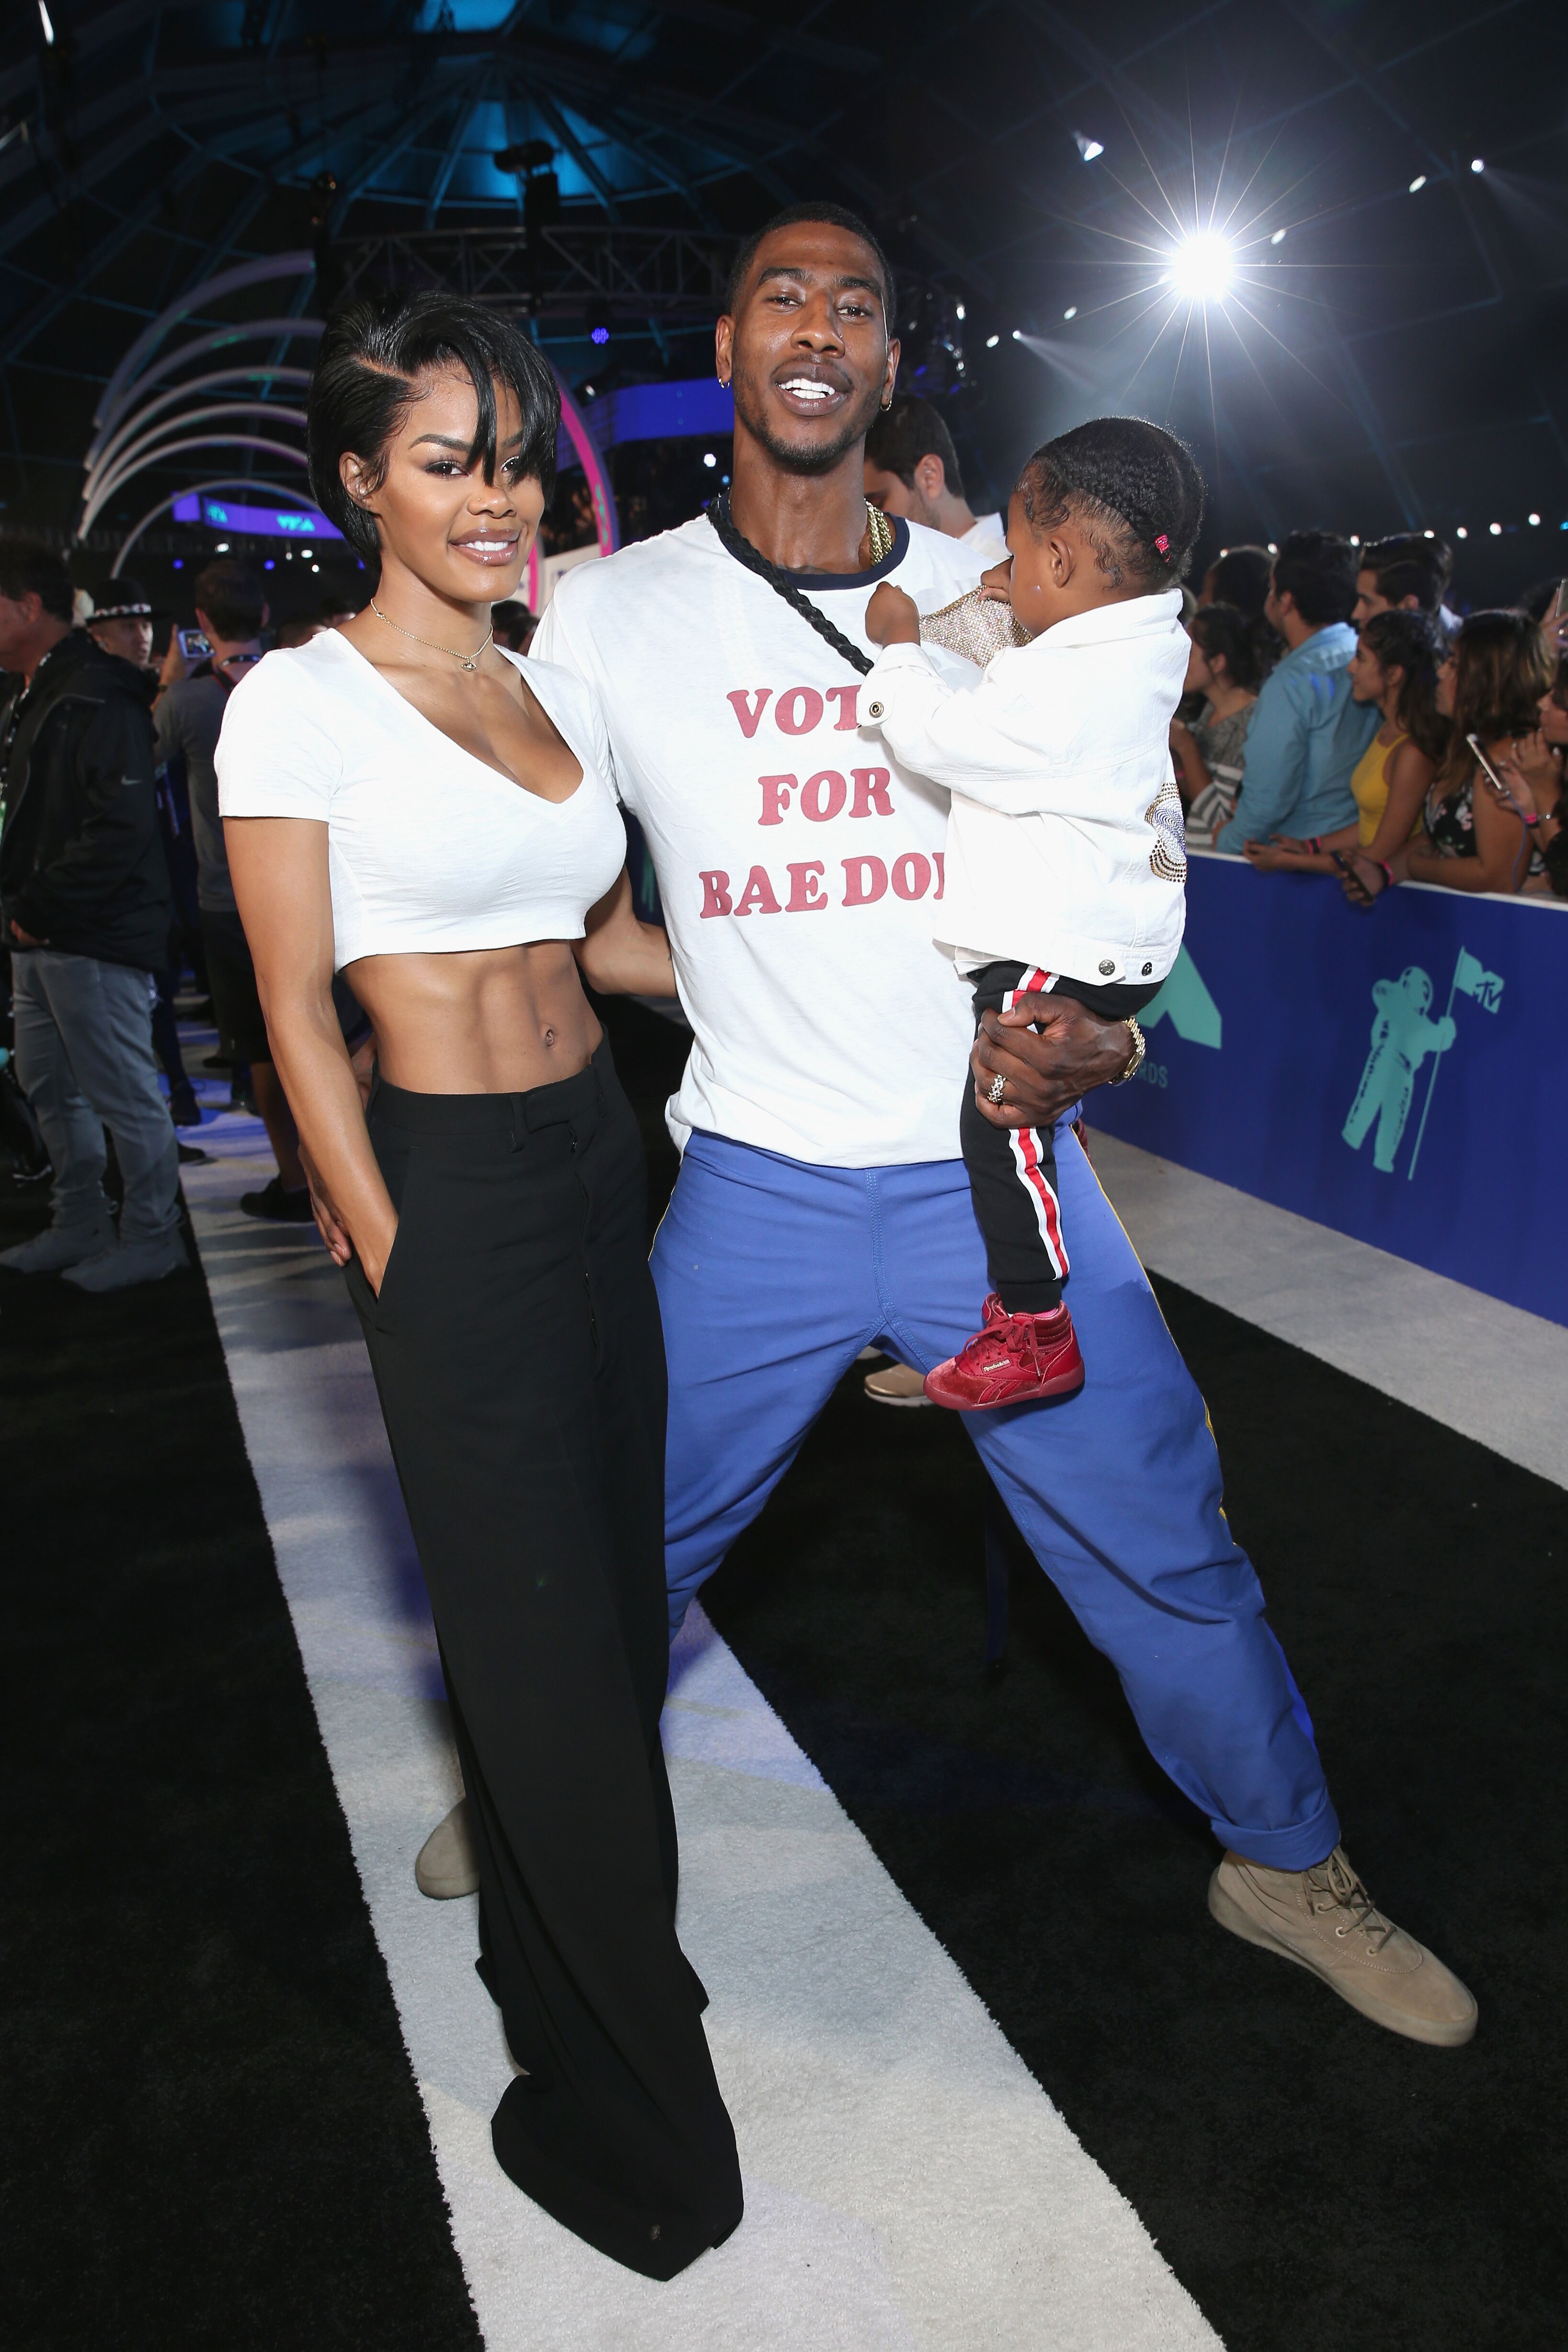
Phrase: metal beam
pixel 468 95
pixel 578 152
pixel 108 248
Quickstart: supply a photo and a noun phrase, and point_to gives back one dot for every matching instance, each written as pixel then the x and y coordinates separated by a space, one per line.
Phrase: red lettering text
pixel 715 895
pixel 744 710
pixel 871 792
pixel 844 696
pixel 865 881
pixel 911 875
pixel 798 710
pixel 823 797
pixel 806 896
pixel 758 893
pixel 939 860
pixel 776 791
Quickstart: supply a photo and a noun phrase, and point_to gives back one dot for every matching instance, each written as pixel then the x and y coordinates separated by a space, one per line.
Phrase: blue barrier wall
pixel 1398 1075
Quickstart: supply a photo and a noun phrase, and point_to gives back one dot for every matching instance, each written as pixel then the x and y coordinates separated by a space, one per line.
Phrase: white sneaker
pixel 130 1262
pixel 58 1246
pixel 447 1865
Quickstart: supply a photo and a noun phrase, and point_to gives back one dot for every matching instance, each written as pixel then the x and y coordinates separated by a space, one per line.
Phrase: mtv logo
pixel 1187 1004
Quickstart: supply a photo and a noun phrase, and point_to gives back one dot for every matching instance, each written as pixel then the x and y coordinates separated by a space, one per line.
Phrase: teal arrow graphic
pixel 1193 1014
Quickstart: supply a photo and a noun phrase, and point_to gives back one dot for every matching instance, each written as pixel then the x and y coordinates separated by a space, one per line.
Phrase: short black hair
pixel 1409 564
pixel 1317 569
pixel 366 366
pixel 29 568
pixel 232 597
pixel 907 430
pixel 837 217
pixel 1242 577
pixel 1133 489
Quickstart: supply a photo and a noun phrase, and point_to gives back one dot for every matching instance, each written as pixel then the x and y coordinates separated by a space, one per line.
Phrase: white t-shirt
pixel 986 539
pixel 429 850
pixel 799 864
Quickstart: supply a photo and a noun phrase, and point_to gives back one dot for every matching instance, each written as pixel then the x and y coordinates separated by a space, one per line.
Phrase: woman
pixel 1473 835
pixel 1226 666
pixel 1395 665
pixel 404 801
pixel 1533 774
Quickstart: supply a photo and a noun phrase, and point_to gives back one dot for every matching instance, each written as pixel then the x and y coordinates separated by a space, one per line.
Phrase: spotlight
pixel 1417 184
pixel 1017 334
pixel 1461 533
pixel 708 458
pixel 1428 534
pixel 958 311
pixel 1534 521
pixel 1201 267
pixel 598 324
pixel 268 565
pixel 179 564
pixel 1279 236
pixel 991 342
pixel 1495 529
pixel 1478 164
pixel 48 27
pixel 315 567
pixel 1071 313
pixel 1087 148
pixel 1273 548
pixel 1355 540
pixel 222 547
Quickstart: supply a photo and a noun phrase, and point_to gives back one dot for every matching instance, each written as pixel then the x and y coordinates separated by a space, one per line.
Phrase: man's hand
pixel 892 617
pixel 1075 1050
pixel 24 938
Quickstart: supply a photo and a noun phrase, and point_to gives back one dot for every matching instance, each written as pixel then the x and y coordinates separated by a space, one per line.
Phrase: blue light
pixel 599 335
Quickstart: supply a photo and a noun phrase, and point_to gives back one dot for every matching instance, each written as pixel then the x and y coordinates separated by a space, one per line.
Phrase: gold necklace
pixel 464 661
pixel 880 532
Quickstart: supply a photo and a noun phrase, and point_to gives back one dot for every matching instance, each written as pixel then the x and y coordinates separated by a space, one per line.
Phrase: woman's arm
pixel 1191 776
pixel 1502 850
pixel 1284 855
pixel 1409 773
pixel 620 956
pixel 278 868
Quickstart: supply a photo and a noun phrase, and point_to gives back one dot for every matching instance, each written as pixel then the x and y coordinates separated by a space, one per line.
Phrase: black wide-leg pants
pixel 519 1362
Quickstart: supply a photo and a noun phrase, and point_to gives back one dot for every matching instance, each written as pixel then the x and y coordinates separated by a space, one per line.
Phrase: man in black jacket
pixel 84 900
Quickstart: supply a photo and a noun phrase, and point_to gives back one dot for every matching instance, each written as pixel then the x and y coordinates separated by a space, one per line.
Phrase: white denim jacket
pixel 1064 837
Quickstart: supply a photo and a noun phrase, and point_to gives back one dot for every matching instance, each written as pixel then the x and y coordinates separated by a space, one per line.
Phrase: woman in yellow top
pixel 1395 665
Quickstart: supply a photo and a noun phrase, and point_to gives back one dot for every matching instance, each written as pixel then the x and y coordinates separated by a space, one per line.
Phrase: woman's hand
pixel 1075 1050
pixel 1277 855
pixel 996 583
pixel 620 956
pixel 892 617
pixel 1362 878
pixel 1533 774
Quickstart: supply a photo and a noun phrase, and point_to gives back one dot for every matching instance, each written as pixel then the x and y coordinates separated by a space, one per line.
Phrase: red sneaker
pixel 1014 1359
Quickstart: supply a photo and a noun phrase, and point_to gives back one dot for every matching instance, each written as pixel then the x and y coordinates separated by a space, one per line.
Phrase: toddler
pixel 1065 853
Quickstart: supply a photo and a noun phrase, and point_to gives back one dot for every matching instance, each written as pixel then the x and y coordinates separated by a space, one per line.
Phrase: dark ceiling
pixel 1394 358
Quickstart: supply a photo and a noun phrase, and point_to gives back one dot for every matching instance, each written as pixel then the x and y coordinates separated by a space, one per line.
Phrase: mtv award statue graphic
pixel 1403 1037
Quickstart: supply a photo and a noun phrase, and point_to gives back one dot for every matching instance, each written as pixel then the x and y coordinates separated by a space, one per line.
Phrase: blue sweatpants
pixel 772 1275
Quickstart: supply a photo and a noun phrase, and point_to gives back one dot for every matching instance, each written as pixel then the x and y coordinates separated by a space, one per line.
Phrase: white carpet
pixel 908 2186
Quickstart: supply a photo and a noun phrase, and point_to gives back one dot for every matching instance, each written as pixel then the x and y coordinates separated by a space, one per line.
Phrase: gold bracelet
pixel 1140 1047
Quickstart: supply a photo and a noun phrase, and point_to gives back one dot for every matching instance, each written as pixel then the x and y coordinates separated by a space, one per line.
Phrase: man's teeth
pixel 808 388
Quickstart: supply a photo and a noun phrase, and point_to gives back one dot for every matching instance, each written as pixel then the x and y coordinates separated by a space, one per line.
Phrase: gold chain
pixel 464 661
pixel 879 531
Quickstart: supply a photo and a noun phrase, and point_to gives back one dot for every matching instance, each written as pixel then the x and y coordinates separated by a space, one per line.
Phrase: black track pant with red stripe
pixel 1013 1170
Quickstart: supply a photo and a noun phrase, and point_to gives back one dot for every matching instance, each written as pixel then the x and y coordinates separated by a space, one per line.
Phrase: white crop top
pixel 428 848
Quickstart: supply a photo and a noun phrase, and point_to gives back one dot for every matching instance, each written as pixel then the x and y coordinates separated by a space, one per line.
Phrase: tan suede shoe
pixel 447 1864
pixel 897 1384
pixel 1325 1920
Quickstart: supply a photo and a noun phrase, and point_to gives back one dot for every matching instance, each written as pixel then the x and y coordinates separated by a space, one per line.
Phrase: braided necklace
pixel 879 531
pixel 464 661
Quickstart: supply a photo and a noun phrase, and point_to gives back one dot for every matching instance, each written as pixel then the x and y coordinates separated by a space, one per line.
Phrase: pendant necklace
pixel 464 661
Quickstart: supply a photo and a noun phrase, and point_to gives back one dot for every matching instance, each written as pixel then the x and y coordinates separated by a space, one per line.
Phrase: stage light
pixel 1355 540
pixel 1428 534
pixel 1273 547
pixel 1089 148
pixel 958 311
pixel 1017 334
pixel 1201 267
pixel 991 342
pixel 1477 165
pixel 1071 313
pixel 708 458
pixel 222 547
pixel 179 564
pixel 1417 184
pixel 1495 529
pixel 44 21
pixel 315 567
pixel 268 564
pixel 1534 521
pixel 1279 236
pixel 1461 533
pixel 598 335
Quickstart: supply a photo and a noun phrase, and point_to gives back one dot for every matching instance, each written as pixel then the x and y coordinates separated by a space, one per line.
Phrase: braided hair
pixel 1134 491
pixel 781 584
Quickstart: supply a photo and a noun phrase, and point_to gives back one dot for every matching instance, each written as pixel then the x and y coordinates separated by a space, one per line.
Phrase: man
pixel 231 612
pixel 85 904
pixel 120 623
pixel 1406 574
pixel 1307 732
pixel 911 469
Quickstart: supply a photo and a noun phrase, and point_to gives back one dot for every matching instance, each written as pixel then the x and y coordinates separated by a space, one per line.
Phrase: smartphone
pixel 193 645
pixel 1486 769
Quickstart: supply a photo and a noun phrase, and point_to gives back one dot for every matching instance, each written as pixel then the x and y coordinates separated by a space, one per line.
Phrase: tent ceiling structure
pixel 1396 356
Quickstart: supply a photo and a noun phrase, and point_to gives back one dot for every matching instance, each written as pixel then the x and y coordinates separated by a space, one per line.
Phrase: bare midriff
pixel 487 1020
